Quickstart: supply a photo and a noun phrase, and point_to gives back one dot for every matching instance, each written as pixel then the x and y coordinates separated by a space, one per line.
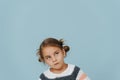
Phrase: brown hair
pixel 51 42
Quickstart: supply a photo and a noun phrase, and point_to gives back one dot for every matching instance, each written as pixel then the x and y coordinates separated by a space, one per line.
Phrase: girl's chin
pixel 56 68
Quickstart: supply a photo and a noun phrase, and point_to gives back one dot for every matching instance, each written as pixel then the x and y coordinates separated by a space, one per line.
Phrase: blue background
pixel 90 27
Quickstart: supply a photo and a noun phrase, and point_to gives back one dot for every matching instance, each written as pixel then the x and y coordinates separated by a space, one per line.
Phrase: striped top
pixel 71 73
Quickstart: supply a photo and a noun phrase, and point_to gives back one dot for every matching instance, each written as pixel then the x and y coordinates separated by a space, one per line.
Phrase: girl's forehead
pixel 50 49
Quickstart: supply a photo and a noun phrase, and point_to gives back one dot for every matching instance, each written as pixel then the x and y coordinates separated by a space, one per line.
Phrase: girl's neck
pixel 58 71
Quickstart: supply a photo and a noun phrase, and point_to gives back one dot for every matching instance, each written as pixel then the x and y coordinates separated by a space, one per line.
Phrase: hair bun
pixel 66 48
pixel 61 42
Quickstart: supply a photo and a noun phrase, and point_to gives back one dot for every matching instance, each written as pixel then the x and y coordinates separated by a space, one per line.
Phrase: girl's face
pixel 54 57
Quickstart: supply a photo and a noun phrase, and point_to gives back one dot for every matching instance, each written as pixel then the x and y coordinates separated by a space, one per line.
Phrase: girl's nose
pixel 54 59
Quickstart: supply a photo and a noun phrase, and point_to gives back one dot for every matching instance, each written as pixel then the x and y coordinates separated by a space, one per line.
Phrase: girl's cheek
pixel 48 62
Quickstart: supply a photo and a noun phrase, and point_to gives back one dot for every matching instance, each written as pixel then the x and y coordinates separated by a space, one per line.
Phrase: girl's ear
pixel 41 60
pixel 64 53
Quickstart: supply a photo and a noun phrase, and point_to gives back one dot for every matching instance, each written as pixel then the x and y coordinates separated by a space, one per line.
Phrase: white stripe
pixel 67 72
pixel 80 74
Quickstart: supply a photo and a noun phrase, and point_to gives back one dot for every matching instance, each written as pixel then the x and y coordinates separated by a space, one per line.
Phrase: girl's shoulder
pixel 72 66
pixel 81 74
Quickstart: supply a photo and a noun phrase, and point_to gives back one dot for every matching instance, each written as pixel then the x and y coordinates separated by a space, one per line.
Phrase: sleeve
pixel 82 76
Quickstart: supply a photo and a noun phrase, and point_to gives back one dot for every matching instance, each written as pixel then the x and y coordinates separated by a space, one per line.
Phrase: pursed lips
pixel 55 63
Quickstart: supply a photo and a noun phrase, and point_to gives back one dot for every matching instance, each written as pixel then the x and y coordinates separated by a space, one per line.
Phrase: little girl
pixel 52 52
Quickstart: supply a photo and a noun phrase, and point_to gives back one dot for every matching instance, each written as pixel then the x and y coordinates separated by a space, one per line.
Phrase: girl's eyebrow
pixel 47 56
pixel 56 51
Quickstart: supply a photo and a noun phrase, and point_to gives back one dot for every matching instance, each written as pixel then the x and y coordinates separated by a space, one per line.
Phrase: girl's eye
pixel 56 53
pixel 48 57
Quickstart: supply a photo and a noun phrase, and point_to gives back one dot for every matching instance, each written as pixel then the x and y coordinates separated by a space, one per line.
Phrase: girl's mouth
pixel 56 64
